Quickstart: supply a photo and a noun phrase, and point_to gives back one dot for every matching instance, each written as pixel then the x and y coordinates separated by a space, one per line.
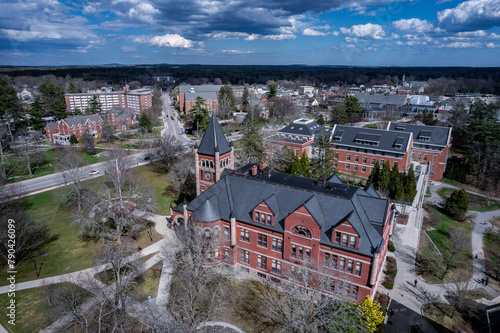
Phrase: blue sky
pixel 261 32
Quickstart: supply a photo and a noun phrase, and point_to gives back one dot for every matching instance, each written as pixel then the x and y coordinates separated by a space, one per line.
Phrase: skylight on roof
pixel 368 139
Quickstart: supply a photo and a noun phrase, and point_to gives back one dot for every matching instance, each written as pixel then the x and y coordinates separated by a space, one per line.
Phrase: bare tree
pixel 167 149
pixel 31 156
pixel 182 175
pixel 457 246
pixel 73 173
pixel 280 160
pixel 199 290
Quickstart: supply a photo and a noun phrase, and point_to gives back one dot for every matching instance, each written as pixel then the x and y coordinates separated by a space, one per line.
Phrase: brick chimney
pixel 262 165
pixel 253 171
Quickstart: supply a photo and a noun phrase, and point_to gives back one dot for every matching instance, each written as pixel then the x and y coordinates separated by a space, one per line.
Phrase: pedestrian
pixel 139 249
pixel 482 281
pixel 416 282
pixel 486 281
pixel 154 269
pixel 476 255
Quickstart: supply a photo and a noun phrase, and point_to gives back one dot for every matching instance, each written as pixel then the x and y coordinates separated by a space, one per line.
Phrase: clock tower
pixel 212 156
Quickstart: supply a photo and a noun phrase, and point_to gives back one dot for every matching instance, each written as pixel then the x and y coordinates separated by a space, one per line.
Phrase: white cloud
pixel 471 15
pixel 279 37
pixel 252 37
pixel 413 25
pixel 171 40
pixel 491 45
pixel 222 35
pixel 236 52
pixel 128 48
pixel 461 45
pixel 312 32
pixel 369 30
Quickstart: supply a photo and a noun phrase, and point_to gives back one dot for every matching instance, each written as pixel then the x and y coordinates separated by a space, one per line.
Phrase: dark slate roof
pixel 370 138
pixel 52 126
pixel 334 179
pixel 380 98
pixel 329 204
pixel 82 120
pixel 303 127
pixel 213 139
pixel 422 134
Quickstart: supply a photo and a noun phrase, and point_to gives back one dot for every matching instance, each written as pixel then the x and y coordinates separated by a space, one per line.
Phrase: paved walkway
pixel 406 239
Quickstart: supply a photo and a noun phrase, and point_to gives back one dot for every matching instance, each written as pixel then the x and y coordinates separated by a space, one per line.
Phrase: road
pixel 57 179
pixel 171 121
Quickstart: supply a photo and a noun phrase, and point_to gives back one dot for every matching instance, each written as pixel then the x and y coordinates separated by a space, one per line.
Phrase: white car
pixel 93 172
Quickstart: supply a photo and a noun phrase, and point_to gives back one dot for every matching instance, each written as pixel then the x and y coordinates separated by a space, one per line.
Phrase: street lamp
pixel 37 271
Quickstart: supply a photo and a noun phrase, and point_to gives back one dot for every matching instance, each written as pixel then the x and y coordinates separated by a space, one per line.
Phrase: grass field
pixel 476 202
pixel 440 233
pixel 32 311
pixel 67 254
pixel 165 195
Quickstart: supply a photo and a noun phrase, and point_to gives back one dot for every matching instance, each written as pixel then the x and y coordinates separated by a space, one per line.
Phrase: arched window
pixel 202 163
pixel 302 231
pixel 216 233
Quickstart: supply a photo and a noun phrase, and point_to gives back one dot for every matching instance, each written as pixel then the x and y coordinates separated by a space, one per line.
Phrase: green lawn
pixel 476 202
pixel 441 232
pixel 370 126
pixel 32 311
pixel 67 254
pixel 165 195
pixel 48 166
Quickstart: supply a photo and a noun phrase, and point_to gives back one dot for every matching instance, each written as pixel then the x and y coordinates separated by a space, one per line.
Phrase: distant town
pixel 280 199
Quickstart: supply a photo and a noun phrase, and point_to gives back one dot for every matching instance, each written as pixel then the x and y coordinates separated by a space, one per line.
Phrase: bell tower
pixel 212 156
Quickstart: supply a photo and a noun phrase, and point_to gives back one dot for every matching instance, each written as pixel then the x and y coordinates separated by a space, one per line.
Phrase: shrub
pixel 391 247
pixel 388 285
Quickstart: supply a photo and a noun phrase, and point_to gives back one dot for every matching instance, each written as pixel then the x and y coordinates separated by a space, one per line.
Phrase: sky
pixel 251 32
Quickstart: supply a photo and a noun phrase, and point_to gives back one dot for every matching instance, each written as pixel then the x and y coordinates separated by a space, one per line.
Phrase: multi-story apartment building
pixel 298 137
pixel 281 227
pixel 431 145
pixel 187 97
pixel 138 100
pixel 162 80
pixel 359 148
pixel 60 131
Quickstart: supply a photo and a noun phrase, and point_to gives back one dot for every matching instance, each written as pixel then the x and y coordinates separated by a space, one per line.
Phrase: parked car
pixel 93 172
pixel 147 158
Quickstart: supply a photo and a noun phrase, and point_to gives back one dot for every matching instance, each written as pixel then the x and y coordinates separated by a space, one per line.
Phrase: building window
pixel 308 255
pixel 344 239
pixel 353 241
pixel 396 164
pixel 348 157
pixel 373 161
pixel 302 231
pixel 262 240
pixel 335 164
pixel 277 244
pixel 350 266
pixel 245 235
pixel 412 156
pixel 332 285
pixel 340 286
pixel 381 162
pixel 347 289
pixel 347 166
pixel 355 167
pixel 364 159
pixel 294 251
pixel 342 264
pixel 276 266
pixel 226 233
pixel 216 254
pixel 355 291
pixel 356 158
pixel 425 157
pixel 434 158
pixel 301 252
pixel 269 219
pixel 216 233
pixel 363 169
pixel 207 234
pixel 327 260
pixel 358 268
pixel 337 237
pixel 297 152
pixel 335 259
pixel 226 254
pixel 261 262
pixel 245 256
pixel 418 157
pixel 257 217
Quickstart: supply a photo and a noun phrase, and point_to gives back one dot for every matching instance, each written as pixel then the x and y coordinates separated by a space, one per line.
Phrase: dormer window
pixel 302 231
pixel 263 218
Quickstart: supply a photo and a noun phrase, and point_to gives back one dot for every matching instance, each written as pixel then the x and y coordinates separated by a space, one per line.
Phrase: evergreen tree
pixel 374 178
pixel 201 116
pixel 372 314
pixel 73 139
pixel 352 108
pixel 457 204
pixel 71 89
pixel 385 177
pixel 304 164
pixel 245 99
pixel 273 90
pixel 9 103
pixel 410 187
pixel 321 119
pixel 395 181
pixel 94 105
pixel 252 146
pixel 296 167
pixel 322 165
pixel 145 123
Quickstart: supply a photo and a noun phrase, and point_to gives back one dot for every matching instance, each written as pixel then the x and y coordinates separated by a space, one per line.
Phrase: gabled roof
pixel 423 134
pixel 213 139
pixel 82 120
pixel 328 204
pixel 52 126
pixel 370 138
pixel 303 127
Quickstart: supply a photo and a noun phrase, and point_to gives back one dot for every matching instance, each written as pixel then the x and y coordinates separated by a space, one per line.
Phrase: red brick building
pixel 298 137
pixel 60 131
pixel 121 118
pixel 138 100
pixel 187 97
pixel 277 226
pixel 359 148
pixel 431 145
